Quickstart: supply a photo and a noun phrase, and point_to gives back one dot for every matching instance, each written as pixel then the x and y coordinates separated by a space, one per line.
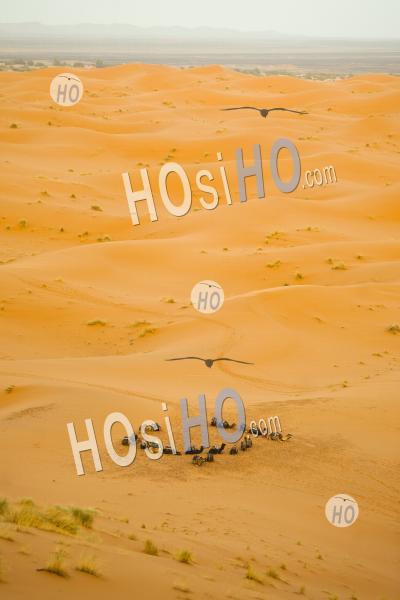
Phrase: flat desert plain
pixel 91 307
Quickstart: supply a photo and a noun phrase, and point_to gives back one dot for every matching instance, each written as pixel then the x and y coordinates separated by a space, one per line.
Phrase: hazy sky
pixel 352 18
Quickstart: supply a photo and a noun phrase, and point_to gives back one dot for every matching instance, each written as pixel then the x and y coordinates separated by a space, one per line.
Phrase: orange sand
pixel 324 360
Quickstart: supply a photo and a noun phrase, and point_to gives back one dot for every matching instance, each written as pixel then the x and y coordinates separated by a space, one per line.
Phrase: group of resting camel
pixel 198 460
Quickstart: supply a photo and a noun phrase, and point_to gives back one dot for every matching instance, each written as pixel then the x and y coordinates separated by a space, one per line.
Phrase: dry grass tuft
pixel 184 556
pixel 96 322
pixel 252 575
pixel 274 265
pixel 394 328
pixel 147 331
pixel 55 564
pixel 272 573
pixel 88 565
pixel 181 587
pixel 84 516
pixel 150 548
pixel 57 519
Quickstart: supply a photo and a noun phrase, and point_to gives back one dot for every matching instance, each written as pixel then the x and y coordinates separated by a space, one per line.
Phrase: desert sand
pixel 312 286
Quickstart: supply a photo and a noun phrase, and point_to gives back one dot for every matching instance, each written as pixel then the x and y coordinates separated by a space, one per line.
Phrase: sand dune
pixel 92 306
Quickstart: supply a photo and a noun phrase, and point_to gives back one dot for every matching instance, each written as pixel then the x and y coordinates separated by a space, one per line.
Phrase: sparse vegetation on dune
pixel 96 322
pixel 84 516
pixel 57 519
pixel 273 574
pixel 302 591
pixel 275 235
pixel 394 328
pixel 181 587
pixel 55 565
pixel 184 556
pixel 147 331
pixel 339 266
pixel 150 548
pixel 4 506
pixel 252 575
pixel 274 265
pixel 88 565
pixel 139 323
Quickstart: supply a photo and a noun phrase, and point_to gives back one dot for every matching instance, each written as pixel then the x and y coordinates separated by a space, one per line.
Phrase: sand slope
pixel 311 282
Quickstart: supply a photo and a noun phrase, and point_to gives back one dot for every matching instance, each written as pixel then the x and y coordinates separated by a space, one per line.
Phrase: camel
pixel 126 441
pixel 194 450
pixel 168 450
pixel 157 427
pixel 215 450
pixel 143 444
pixel 224 424
pixel 286 439
pixel 151 444
pixel 255 430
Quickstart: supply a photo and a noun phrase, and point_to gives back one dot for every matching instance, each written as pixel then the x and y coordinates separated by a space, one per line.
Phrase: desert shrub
pixel 4 506
pixel 272 573
pixel 88 565
pixel 252 575
pixel 58 519
pixel 84 516
pixel 55 564
pixel 147 331
pixel 184 556
pixel 150 548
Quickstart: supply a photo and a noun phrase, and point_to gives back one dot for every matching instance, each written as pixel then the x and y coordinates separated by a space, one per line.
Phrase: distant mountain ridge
pixel 121 30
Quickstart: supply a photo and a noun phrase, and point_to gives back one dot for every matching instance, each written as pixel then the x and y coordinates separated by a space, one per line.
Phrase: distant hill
pixel 121 30
pixel 183 46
